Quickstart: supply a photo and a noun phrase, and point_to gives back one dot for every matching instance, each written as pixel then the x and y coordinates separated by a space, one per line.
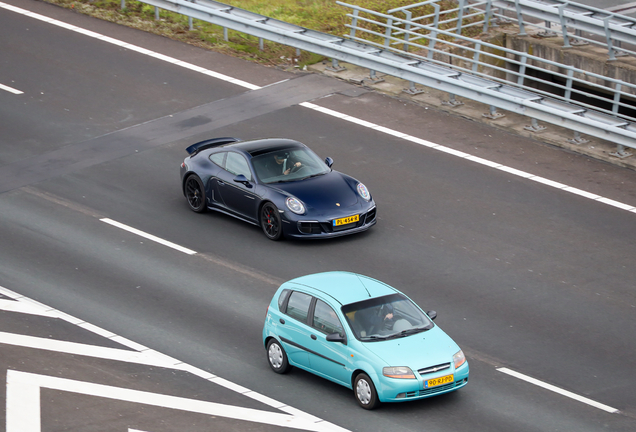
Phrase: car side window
pixel 236 164
pixel 218 158
pixel 282 300
pixel 298 306
pixel 325 319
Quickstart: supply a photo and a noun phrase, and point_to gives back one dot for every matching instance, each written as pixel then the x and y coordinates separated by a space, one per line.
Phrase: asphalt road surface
pixel 525 251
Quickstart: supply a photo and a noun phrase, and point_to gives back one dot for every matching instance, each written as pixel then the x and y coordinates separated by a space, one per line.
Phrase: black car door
pixel 239 198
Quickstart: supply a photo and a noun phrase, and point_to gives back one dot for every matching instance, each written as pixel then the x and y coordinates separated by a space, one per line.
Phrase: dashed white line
pixel 10 89
pixel 558 390
pixel 148 236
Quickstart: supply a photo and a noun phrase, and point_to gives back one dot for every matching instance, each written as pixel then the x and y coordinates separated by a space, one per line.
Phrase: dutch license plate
pixel 347 220
pixel 439 381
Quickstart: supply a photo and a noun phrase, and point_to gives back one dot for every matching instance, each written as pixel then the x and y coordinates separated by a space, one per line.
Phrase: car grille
pixel 314 227
pixel 432 369
pixel 433 390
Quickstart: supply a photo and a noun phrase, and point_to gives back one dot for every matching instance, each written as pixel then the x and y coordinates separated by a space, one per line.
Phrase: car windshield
pixel 288 165
pixel 385 318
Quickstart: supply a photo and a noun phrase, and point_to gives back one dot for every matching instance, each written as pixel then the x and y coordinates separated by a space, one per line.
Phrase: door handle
pixel 282 321
pixel 220 183
pixel 314 337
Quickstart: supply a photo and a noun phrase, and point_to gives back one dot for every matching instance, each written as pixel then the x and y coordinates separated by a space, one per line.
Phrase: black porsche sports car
pixel 278 184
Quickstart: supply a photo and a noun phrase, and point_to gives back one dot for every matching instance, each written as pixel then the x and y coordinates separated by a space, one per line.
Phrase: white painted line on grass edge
pixel 558 390
pixel 148 236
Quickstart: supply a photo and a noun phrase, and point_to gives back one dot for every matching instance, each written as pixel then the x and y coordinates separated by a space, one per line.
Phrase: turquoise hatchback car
pixel 364 335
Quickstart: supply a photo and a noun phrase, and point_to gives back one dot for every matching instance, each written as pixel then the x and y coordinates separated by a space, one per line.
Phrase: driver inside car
pixel 286 162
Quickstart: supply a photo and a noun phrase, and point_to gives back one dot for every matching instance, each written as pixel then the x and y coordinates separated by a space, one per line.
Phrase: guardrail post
pixel 568 85
pixel 617 98
pixel 335 67
pixel 522 29
pixel 487 16
pixel 493 114
pixel 225 35
pixel 407 28
pixel 534 126
pixel 156 13
pixel 122 5
pixel 577 139
pixel 412 90
pixel 354 23
pixel 452 101
pixel 460 16
pixel 620 152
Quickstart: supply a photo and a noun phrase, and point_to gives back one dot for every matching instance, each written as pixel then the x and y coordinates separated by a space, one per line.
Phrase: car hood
pixel 322 192
pixel 417 351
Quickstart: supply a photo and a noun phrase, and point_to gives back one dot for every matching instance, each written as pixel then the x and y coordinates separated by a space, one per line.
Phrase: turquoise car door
pixel 293 330
pixel 329 359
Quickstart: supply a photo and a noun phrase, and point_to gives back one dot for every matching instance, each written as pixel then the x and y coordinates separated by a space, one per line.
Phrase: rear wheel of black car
pixel 276 357
pixel 271 222
pixel 365 393
pixel 195 193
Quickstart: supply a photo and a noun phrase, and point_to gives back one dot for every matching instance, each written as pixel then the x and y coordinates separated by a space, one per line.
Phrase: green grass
pixel 322 15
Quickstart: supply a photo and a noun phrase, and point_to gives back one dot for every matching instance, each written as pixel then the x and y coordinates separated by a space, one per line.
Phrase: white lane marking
pixel 558 390
pixel 131 47
pixel 10 89
pixel 328 111
pixel 472 158
pixel 159 359
pixel 24 412
pixel 148 236
pixel 75 348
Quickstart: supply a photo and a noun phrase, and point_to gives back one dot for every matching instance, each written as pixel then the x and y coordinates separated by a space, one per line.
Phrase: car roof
pixel 261 146
pixel 344 287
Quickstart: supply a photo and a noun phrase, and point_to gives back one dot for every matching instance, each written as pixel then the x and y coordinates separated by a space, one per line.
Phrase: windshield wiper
pixel 411 331
pixel 374 337
pixel 313 175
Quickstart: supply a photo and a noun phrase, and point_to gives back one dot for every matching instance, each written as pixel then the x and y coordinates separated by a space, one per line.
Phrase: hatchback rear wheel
pixel 276 357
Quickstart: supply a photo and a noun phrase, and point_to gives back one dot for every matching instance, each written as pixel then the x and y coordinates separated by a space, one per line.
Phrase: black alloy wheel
pixel 195 194
pixel 270 221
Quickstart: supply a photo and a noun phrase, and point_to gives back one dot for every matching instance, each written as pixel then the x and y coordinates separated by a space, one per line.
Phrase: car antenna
pixel 365 288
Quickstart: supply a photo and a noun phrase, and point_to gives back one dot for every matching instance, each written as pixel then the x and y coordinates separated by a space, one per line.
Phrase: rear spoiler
pixel 214 142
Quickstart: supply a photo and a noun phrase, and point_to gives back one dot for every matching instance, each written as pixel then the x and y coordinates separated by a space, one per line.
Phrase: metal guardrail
pixel 463 77
pixel 577 24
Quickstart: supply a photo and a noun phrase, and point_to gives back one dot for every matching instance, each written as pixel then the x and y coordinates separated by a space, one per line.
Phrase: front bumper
pixel 401 390
pixel 316 229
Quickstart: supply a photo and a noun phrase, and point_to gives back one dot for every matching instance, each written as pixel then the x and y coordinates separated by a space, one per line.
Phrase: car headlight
pixel 363 191
pixel 459 358
pixel 295 205
pixel 398 372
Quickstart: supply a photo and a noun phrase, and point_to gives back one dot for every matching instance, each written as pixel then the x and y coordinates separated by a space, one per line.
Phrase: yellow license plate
pixel 347 220
pixel 439 381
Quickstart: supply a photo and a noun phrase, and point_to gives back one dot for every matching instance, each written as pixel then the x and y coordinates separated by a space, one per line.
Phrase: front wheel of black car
pixel 195 193
pixel 271 222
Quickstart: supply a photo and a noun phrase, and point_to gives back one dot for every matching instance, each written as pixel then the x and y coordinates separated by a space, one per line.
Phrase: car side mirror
pixel 431 314
pixel 242 179
pixel 336 337
pixel 329 162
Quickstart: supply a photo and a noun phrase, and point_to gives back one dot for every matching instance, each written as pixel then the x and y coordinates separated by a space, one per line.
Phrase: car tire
pixel 277 357
pixel 365 393
pixel 195 194
pixel 271 222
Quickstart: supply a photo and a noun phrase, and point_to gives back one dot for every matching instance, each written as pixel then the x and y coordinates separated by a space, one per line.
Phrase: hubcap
pixel 275 356
pixel 363 391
